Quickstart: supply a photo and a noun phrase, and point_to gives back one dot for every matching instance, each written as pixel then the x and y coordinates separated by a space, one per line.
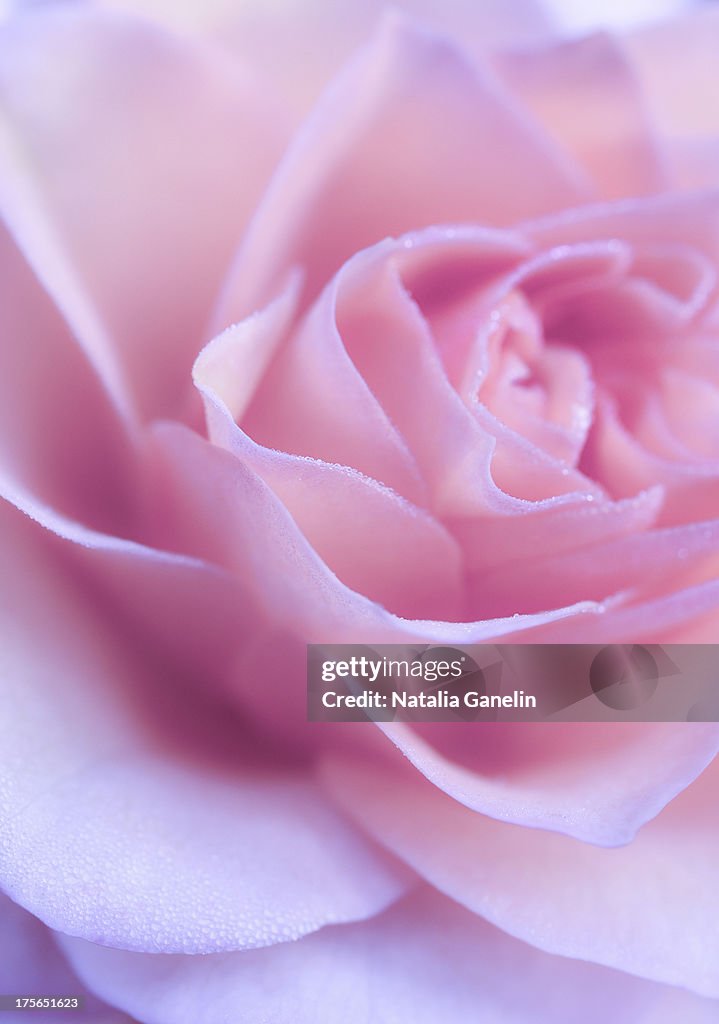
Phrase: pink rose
pixel 429 357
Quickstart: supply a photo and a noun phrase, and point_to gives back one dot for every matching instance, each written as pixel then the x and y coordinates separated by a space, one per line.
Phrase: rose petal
pixel 122 825
pixel 647 562
pixel 375 542
pixel 623 907
pixel 691 405
pixel 301 43
pixel 60 435
pixel 694 162
pixel 366 533
pixel 618 459
pixel 214 507
pixel 245 528
pixel 112 184
pixel 425 960
pixel 598 782
pixel 689 615
pixel 309 400
pixel 562 82
pixel 338 181
pixel 202 616
pixel 366 330
pixel 676 62
pixel 687 220
pixel 183 608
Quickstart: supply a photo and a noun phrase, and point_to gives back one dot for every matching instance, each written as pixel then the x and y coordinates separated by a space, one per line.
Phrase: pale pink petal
pixel 185 609
pixel 595 781
pixel 60 435
pixel 129 163
pixel 217 509
pixel 365 532
pixel 562 83
pixel 469 462
pixel 690 404
pixel 358 531
pixel 688 220
pixel 234 520
pixel 212 506
pixel 359 339
pixel 625 908
pixel 336 190
pixel 675 60
pixel 646 562
pixel 689 615
pixel 569 523
pixel 137 812
pixel 617 458
pixel 694 162
pixel 310 398
pixel 301 43
pixel 425 960
pixel 263 593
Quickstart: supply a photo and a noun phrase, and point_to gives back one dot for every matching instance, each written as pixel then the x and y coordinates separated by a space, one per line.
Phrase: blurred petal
pixel 363 532
pixel 302 43
pixel 360 169
pixel 425 960
pixel 694 162
pixel 615 145
pixel 122 825
pixel 595 781
pixel 130 162
pixel 32 964
pixel 622 907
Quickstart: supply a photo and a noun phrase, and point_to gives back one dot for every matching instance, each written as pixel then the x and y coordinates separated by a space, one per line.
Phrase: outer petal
pixel 129 162
pixel 688 220
pixel 60 434
pixel 649 908
pixel 651 563
pixel 426 960
pixel 303 42
pixel 136 814
pixel 598 782
pixel 361 169
pixel 184 609
pixel 615 143
pixel 676 63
